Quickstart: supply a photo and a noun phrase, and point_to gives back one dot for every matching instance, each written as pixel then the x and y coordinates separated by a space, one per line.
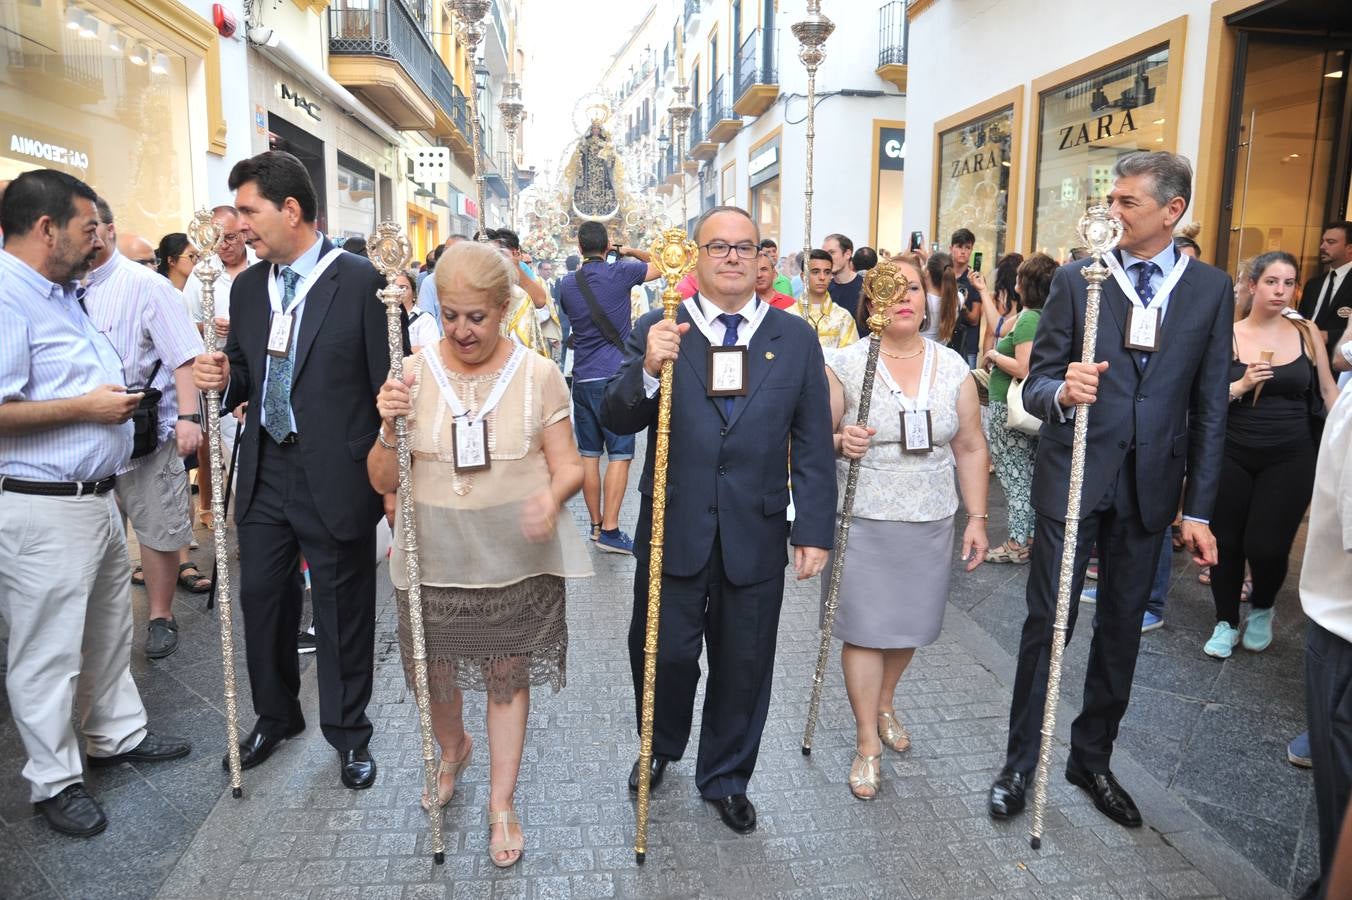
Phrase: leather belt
pixel 289 441
pixel 57 488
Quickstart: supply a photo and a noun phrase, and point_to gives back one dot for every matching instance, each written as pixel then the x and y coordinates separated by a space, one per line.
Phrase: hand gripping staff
pixel 390 253
pixel 1100 233
pixel 674 255
pixel 883 288
pixel 206 236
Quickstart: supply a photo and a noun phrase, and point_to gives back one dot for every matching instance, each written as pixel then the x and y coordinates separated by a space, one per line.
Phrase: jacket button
pixel 1140 397
pixel 722 470
pixel 713 510
pixel 722 432
pixel 1122 444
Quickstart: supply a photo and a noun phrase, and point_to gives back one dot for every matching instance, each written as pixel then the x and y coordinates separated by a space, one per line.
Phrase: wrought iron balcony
pixel 756 78
pixel 723 122
pixel 893 30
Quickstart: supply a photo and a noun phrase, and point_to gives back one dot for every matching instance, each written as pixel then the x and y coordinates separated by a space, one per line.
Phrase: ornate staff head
pixel 391 254
pixel 884 287
pixel 206 236
pixel 674 254
pixel 1099 231
pixel 812 33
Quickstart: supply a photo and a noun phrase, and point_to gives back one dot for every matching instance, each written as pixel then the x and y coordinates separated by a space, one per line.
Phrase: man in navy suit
pixel 1159 395
pixel 727 493
pixel 307 350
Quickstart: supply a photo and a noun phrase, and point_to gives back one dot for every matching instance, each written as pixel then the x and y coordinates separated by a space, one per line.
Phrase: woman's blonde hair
pixel 475 266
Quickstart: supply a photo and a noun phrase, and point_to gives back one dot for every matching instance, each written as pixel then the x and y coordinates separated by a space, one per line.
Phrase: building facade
pixel 1254 93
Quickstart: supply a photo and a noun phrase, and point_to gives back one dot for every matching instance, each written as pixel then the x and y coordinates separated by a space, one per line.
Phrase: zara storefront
pixel 1255 94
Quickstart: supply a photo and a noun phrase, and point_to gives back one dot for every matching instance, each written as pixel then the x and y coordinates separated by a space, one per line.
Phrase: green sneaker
pixel 1258 630
pixel 1223 640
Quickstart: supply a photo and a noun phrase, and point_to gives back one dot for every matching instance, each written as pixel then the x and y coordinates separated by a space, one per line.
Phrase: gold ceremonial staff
pixel 390 253
pixel 206 236
pixel 882 287
pixel 1100 233
pixel 674 255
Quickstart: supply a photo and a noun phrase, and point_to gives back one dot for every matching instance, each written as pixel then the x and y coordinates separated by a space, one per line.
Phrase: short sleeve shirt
pixel 594 357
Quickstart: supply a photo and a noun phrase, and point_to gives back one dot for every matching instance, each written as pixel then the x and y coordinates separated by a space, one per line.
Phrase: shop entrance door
pixel 1287 157
pixel 282 135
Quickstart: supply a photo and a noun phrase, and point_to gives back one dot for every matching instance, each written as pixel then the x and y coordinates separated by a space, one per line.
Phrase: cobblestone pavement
pixel 1226 816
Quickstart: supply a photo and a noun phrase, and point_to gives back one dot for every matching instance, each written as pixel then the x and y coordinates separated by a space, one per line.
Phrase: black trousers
pixel 1128 555
pixel 738 624
pixel 1328 711
pixel 282 523
pixel 1262 498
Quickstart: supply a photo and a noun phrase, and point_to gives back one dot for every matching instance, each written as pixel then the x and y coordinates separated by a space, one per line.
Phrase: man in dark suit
pixel 1153 412
pixel 307 350
pixel 727 492
pixel 1327 299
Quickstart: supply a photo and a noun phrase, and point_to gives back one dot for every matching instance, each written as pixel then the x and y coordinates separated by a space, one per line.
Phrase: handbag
pixel 1019 418
pixel 146 418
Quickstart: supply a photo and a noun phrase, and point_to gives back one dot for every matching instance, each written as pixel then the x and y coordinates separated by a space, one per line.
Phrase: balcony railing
pixel 696 131
pixel 718 103
pixel 387 28
pixel 691 11
pixel 892 34
pixel 756 62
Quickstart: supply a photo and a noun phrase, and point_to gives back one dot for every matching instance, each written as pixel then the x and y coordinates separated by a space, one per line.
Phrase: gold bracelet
pixel 978 515
pixel 380 436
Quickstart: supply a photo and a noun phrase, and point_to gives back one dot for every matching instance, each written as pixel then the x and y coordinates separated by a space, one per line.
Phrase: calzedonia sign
pixel 23 145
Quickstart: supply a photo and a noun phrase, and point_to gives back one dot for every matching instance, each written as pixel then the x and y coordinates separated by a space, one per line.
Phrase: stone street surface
pixel 1202 750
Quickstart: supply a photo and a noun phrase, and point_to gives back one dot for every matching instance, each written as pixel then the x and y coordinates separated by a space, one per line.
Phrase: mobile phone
pixel 976 261
pixel 917 240
pixel 612 256
pixel 934 247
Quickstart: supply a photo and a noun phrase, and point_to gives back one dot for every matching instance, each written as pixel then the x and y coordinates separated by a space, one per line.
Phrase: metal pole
pixel 674 255
pixel 680 112
pixel 1100 233
pixel 882 288
pixel 812 33
pixel 206 235
pixel 470 15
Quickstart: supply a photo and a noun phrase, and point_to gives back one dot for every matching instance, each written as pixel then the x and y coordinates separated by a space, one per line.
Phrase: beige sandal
pixel 892 732
pixel 866 774
pixel 515 845
pixel 453 769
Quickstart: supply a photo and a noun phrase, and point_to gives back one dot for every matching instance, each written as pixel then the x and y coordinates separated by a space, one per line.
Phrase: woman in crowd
pixel 177 256
pixel 494 462
pixel 903 515
pixel 1280 386
pixel 422 325
pixel 999 303
pixel 1013 451
pixel 941 296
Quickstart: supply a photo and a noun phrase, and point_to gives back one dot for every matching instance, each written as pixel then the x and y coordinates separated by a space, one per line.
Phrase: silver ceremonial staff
pixel 882 288
pixel 206 236
pixel 812 33
pixel 1100 233
pixel 390 253
pixel 470 23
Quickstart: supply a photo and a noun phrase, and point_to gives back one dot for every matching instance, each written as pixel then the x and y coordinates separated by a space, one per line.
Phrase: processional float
pixel 1099 232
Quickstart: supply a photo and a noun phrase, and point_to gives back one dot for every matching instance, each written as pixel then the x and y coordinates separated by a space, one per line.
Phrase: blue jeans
pixel 1159 592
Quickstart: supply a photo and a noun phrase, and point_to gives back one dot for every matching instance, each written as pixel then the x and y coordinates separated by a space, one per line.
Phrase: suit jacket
pixel 1172 410
pixel 342 358
pixel 1330 322
pixel 729 475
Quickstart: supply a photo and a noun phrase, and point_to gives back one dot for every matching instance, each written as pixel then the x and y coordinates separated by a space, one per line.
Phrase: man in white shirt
pixel 1326 597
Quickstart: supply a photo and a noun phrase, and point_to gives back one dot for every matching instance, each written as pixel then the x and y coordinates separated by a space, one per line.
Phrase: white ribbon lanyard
pixel 1143 322
pixel 282 324
pixel 916 424
pixel 727 376
pixel 469 434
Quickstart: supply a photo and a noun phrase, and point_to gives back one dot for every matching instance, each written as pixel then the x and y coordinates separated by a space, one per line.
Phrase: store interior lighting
pixel 117 44
pixel 89 26
pixel 139 54
pixel 73 16
pixel 161 64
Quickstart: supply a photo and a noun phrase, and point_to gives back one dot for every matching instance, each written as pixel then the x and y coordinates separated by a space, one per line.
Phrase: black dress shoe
pixel 1006 798
pixel 153 748
pixel 256 748
pixel 658 769
pixel 357 767
pixel 736 812
pixel 1108 795
pixel 73 812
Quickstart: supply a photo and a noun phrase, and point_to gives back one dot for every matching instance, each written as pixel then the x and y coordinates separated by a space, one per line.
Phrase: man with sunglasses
pixel 138 250
pixel 747 378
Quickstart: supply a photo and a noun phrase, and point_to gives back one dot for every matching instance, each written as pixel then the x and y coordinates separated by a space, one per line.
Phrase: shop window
pixel 1084 126
pixel 889 178
pixel 730 185
pixel 762 172
pixel 973 181
pixel 355 215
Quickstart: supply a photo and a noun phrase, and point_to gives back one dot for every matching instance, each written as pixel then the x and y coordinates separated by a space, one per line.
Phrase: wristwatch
pixel 191 417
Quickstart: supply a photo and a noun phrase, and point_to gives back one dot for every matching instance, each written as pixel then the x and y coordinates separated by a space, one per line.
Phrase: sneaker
pixel 1298 751
pixel 1089 595
pixel 1150 622
pixel 305 641
pixel 1258 630
pixel 1091 571
pixel 615 541
pixel 162 638
pixel 596 531
pixel 1223 640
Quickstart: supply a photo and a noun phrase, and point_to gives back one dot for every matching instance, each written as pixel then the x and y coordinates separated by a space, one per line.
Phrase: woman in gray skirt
pixel 924 420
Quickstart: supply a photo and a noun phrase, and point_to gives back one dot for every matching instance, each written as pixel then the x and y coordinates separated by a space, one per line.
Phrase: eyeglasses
pixel 231 237
pixel 191 255
pixel 720 249
pixel 150 262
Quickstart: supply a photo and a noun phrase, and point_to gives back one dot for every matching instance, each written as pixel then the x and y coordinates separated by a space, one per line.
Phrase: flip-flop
pixel 138 577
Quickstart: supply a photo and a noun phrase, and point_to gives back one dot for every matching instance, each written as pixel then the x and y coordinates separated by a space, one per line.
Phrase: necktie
pixel 277 395
pixel 730 322
pixel 1326 297
pixel 1144 272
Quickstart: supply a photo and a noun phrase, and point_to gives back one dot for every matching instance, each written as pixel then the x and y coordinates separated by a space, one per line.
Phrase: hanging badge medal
pixel 728 366
pixel 282 324
pixel 279 335
pixel 1143 322
pixel 917 427
pixel 469 433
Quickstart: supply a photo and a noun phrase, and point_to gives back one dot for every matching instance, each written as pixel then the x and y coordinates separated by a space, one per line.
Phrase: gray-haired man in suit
pixel 1158 392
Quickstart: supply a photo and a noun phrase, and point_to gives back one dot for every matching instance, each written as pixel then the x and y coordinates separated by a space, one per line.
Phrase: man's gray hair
pixel 710 213
pixel 1170 173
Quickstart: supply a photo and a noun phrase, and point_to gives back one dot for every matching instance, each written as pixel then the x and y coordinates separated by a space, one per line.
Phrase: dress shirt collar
pixel 1340 273
pixel 1165 259
pixel 102 272
pixel 712 312
pixel 306 262
pixel 35 280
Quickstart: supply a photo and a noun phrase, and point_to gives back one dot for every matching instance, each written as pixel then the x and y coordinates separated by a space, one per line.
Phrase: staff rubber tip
pixel 439 858
pixel 807 751
pixel 1035 843
pixel 237 792
pixel 640 857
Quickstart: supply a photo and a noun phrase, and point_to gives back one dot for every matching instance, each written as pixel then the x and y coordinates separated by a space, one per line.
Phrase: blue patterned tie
pixel 277 395
pixel 1144 272
pixel 730 322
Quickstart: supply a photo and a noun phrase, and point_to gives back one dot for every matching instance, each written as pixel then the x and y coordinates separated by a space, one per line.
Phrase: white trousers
pixel 66 597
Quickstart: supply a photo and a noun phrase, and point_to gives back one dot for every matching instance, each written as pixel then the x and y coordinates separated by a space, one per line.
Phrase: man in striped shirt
pixel 143 317
pixel 64 433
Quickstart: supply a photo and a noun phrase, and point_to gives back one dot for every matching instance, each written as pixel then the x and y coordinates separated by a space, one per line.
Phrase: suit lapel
pixel 1117 303
pixel 1178 309
pixel 694 349
pixel 760 360
pixel 317 303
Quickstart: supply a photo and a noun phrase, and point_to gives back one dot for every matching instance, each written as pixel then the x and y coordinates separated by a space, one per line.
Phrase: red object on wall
pixel 224 21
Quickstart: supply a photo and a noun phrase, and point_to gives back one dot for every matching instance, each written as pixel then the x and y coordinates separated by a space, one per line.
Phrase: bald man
pixel 136 248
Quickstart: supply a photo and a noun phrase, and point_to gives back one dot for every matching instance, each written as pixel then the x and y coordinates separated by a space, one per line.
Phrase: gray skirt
pixel 894 585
